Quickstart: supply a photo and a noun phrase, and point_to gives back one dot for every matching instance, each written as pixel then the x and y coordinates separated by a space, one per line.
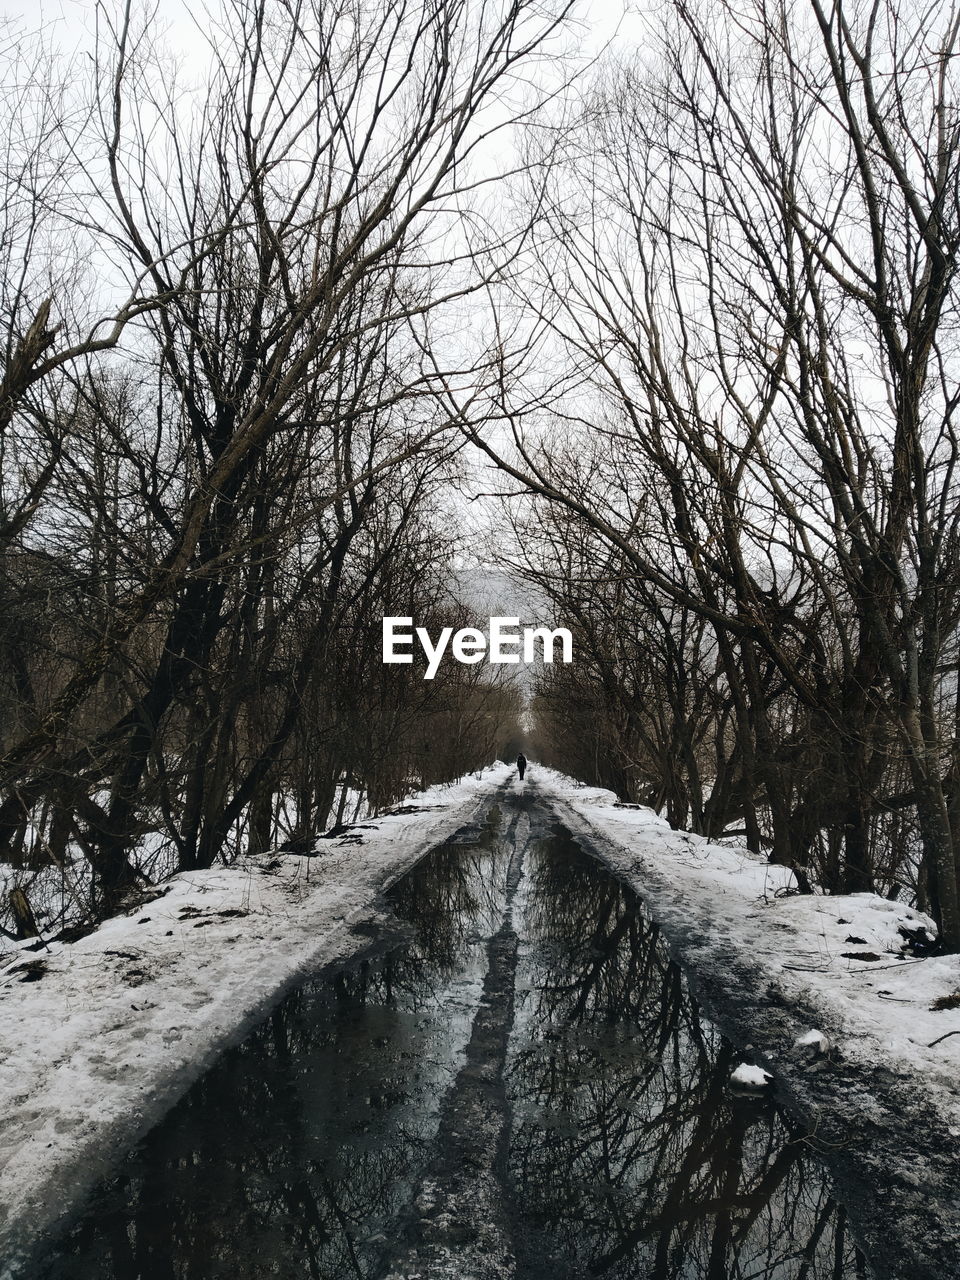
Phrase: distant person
pixel 521 765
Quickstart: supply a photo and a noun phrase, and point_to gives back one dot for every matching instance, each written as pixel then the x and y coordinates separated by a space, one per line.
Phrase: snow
pixel 842 957
pixel 102 1036
pixel 747 1076
pixel 119 1024
pixel 812 1042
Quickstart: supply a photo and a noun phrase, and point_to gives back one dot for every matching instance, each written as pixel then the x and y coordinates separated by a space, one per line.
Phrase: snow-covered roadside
pixel 118 1025
pixel 813 948
pixel 883 1104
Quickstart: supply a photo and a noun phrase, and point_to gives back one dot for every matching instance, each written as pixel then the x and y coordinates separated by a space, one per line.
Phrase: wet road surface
pixel 512 1079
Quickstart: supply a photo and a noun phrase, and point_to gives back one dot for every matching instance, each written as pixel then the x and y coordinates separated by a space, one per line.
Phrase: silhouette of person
pixel 521 764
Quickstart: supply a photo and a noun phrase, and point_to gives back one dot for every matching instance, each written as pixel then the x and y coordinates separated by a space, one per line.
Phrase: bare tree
pixel 285 237
pixel 747 256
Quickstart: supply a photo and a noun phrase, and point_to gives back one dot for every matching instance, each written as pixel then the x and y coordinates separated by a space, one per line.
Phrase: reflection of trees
pixel 454 894
pixel 630 1156
pixel 305 1141
pixel 273 1164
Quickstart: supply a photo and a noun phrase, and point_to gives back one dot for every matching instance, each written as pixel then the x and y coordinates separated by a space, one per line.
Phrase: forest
pixel 300 329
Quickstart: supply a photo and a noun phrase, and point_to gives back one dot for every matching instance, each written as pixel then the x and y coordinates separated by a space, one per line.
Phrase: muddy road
pixel 512 1078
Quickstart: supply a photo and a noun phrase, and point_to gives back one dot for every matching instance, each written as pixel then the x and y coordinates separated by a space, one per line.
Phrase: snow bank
pixel 101 1036
pixel 843 955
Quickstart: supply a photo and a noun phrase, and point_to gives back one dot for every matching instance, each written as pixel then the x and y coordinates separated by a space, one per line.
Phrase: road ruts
pixel 458 1224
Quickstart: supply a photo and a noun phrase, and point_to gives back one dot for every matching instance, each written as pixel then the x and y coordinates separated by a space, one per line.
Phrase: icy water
pixel 514 1080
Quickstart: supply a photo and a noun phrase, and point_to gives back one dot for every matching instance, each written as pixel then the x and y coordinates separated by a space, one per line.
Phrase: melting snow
pixel 747 1076
pixel 846 956
pixel 813 1042
pixel 115 1027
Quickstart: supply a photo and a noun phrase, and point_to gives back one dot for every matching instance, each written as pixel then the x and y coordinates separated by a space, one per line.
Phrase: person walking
pixel 521 764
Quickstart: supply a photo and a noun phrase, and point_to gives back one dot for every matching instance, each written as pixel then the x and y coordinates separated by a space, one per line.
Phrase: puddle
pixel 630 1156
pixel 513 1081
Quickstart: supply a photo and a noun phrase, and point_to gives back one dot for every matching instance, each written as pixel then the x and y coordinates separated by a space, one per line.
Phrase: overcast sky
pixel 73 20
pixel 70 24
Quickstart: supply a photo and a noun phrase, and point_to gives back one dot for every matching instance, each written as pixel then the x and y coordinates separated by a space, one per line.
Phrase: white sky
pixel 70 26
pixel 72 20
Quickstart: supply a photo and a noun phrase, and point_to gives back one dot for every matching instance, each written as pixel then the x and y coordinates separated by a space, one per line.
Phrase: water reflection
pixel 630 1156
pixel 302 1152
pixel 294 1155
